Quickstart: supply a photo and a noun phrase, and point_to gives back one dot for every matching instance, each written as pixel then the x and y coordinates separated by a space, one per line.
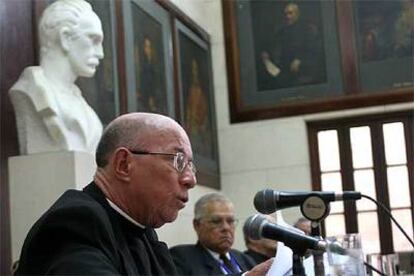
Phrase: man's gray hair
pixel 62 13
pixel 300 221
pixel 200 209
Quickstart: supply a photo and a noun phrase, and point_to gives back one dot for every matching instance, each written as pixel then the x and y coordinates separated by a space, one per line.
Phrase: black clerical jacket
pixel 82 235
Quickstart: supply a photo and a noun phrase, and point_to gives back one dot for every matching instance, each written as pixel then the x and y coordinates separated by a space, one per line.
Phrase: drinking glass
pixel 350 261
pixel 390 264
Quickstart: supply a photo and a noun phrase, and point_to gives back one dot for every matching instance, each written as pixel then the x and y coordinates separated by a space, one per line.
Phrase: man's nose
pixel 226 225
pixel 188 178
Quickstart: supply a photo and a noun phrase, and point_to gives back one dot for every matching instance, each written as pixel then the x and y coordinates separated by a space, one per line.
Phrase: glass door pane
pixel 404 218
pixel 365 184
pixel 394 143
pixel 333 182
pixel 361 147
pixel 328 150
pixel 335 225
pixel 398 187
pixel 368 228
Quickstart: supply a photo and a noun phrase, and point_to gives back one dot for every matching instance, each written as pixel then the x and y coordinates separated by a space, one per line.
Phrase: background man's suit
pixel 81 234
pixel 196 260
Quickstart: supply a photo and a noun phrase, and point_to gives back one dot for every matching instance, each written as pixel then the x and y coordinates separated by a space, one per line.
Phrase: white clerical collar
pixel 122 213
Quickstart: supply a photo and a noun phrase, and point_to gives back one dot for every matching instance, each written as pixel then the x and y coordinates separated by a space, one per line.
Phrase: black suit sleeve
pixel 82 260
pixel 180 261
pixel 75 240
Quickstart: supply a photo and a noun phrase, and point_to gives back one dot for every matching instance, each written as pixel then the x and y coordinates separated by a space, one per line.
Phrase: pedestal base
pixel 36 181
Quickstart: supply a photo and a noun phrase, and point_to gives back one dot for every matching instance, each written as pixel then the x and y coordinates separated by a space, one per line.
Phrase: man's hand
pixel 260 269
pixel 271 68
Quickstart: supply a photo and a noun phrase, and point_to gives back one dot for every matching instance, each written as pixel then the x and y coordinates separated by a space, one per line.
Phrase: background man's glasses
pixel 219 222
pixel 179 160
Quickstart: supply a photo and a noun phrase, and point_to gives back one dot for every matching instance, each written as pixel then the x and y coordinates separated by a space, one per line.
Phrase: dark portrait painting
pixel 385 29
pixel 197 102
pixel 385 36
pixel 280 54
pixel 288 43
pixel 101 91
pixel 196 94
pixel 149 62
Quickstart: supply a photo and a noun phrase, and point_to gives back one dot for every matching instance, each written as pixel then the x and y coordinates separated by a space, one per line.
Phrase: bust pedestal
pixel 36 181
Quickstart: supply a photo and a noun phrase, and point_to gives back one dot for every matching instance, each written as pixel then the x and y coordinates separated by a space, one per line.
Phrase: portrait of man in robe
pixel 196 95
pixel 288 43
pixel 151 90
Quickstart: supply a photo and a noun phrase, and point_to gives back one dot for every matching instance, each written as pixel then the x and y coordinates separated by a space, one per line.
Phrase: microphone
pixel 268 201
pixel 258 227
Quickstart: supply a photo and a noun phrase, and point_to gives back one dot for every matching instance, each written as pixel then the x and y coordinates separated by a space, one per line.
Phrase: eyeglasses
pixel 179 160
pixel 217 222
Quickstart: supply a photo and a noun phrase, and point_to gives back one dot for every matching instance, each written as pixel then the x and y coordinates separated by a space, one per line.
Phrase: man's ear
pixel 196 223
pixel 65 36
pixel 122 164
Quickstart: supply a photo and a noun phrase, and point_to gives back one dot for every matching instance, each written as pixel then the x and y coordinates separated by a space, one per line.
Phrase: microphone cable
pixel 385 209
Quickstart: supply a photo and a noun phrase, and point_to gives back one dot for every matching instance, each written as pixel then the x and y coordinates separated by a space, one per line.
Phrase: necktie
pixel 227 263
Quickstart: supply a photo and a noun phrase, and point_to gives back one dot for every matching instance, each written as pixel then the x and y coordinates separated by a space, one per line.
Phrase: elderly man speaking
pixel 145 170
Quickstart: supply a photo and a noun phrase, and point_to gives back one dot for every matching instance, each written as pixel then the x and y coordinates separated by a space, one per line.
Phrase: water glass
pixel 390 264
pixel 387 264
pixel 350 262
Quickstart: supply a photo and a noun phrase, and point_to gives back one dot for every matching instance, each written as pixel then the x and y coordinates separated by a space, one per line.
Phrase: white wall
pixel 255 155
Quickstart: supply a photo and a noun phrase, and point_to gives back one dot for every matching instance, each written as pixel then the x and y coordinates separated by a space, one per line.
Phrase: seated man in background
pixel 304 224
pixel 260 250
pixel 214 223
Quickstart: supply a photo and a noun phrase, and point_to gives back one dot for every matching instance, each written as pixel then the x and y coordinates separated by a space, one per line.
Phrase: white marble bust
pixel 51 113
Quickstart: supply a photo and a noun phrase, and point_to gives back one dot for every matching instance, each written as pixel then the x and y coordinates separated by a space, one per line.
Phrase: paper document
pixel 282 264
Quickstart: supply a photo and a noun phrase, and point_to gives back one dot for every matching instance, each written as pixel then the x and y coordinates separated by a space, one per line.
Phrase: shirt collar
pixel 122 213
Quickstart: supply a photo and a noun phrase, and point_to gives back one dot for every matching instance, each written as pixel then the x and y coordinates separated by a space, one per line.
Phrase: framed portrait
pixel 148 57
pixel 385 39
pixel 102 90
pixel 197 102
pixel 288 58
pixel 280 54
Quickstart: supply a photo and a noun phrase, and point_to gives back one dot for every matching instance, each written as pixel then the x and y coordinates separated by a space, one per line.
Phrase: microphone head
pixel 337 248
pixel 253 226
pixel 264 201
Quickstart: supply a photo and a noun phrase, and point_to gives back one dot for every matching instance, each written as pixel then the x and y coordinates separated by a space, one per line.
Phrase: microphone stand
pixel 317 255
pixel 297 264
pixel 315 209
